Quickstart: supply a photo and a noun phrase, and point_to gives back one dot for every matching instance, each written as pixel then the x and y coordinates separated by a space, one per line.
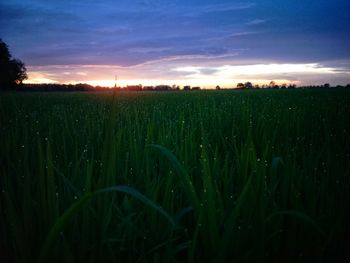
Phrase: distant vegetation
pixel 235 176
pixel 87 87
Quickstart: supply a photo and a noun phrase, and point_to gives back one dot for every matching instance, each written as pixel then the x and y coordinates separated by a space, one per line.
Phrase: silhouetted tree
pixel 248 85
pixel 217 87
pixel 162 88
pixel 148 88
pixel 134 87
pixel 240 86
pixel 12 71
pixel 272 84
pixel 326 85
pixel 175 87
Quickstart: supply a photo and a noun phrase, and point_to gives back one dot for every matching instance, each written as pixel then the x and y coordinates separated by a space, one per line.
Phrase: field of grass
pixel 235 176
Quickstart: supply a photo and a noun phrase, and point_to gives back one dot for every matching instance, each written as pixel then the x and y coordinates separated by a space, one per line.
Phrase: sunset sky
pixel 205 43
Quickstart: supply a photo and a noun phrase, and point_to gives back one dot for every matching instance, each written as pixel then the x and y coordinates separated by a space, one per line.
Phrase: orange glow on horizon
pixel 203 83
pixel 226 76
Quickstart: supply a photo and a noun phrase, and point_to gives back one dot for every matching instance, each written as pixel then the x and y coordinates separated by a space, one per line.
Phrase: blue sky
pixel 195 42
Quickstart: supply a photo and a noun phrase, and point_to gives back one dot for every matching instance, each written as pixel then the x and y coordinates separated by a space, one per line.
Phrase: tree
pixel 272 84
pixel 240 86
pixel 248 85
pixel 12 71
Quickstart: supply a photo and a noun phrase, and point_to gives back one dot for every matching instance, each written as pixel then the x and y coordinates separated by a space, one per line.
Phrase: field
pixel 209 176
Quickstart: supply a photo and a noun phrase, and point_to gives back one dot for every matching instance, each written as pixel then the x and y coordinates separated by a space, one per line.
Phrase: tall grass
pixel 229 176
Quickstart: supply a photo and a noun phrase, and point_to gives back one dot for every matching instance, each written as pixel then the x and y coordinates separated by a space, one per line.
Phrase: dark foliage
pixel 12 71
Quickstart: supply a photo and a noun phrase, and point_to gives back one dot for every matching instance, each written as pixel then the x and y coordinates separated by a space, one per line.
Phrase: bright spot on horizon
pixel 226 76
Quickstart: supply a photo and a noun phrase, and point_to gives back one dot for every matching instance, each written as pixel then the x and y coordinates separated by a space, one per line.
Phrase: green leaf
pixel 82 202
pixel 299 215
pixel 186 180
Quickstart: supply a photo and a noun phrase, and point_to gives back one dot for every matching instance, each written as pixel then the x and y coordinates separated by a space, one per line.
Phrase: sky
pixel 184 42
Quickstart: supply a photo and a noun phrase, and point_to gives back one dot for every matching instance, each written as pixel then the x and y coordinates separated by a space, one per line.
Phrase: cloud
pixel 217 8
pixel 152 37
pixel 255 22
pixel 179 72
pixel 147 50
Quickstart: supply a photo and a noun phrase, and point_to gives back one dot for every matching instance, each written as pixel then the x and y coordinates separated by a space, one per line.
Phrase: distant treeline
pixel 90 88
pixel 87 87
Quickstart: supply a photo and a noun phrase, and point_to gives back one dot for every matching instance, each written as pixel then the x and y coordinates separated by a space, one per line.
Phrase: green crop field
pixel 209 176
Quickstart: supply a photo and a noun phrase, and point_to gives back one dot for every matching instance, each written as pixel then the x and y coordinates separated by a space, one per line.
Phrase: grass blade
pixel 189 188
pixel 62 221
pixel 299 215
